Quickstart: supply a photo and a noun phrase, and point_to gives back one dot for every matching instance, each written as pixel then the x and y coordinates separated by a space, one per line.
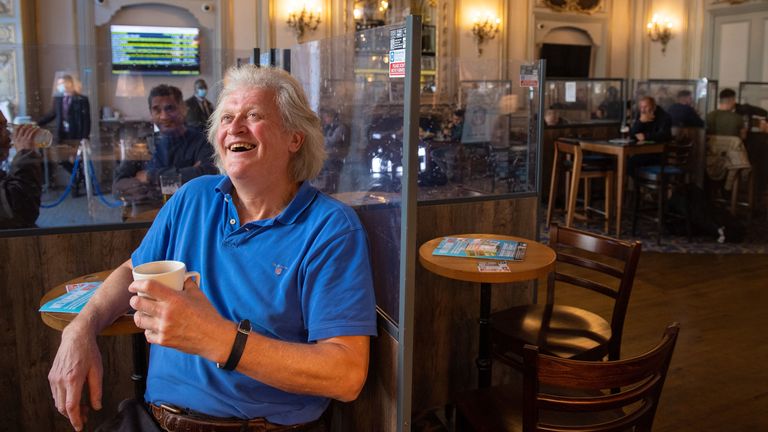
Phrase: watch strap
pixel 243 328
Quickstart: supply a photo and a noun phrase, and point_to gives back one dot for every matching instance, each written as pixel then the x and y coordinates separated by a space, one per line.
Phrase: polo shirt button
pixel 232 221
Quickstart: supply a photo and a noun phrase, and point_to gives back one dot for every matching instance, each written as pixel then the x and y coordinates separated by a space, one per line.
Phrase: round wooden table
pixel 539 262
pixel 123 325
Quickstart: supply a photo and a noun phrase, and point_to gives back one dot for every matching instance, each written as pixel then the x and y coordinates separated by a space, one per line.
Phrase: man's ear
pixel 297 140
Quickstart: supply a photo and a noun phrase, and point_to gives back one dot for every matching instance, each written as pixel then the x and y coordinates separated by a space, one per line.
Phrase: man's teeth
pixel 241 147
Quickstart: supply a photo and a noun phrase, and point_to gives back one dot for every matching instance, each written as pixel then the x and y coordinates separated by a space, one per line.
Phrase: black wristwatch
pixel 243 328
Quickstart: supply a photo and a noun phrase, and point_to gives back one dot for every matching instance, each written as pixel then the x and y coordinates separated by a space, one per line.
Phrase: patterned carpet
pixel 755 238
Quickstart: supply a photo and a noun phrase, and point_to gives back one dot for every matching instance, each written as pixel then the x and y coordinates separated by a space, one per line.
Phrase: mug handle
pixel 193 274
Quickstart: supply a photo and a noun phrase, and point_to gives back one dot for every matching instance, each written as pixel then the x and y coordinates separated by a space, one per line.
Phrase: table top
pixel 57 320
pixel 539 261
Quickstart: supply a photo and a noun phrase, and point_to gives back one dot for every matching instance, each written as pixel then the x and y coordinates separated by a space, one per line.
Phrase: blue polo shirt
pixel 301 276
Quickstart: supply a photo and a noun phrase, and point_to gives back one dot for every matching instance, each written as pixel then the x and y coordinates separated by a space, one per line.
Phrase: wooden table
pixel 621 151
pixel 123 325
pixel 539 262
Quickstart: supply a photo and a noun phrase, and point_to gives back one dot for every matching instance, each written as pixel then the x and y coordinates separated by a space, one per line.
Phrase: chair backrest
pixel 698 152
pixel 677 154
pixel 608 396
pixel 608 267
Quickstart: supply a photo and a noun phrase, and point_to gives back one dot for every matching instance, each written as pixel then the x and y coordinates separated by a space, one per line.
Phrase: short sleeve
pixel 337 293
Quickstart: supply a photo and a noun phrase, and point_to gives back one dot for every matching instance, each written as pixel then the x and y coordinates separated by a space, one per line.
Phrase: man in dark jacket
pixel 71 112
pixel 198 107
pixel 652 124
pixel 178 149
pixel 682 112
pixel 21 186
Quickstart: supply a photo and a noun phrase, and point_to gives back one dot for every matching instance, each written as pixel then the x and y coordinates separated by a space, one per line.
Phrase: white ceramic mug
pixel 169 273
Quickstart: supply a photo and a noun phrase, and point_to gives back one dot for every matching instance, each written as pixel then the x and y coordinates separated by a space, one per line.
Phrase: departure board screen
pixel 155 50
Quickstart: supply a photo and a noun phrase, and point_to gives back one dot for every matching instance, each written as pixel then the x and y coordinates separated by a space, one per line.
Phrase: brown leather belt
pixel 173 419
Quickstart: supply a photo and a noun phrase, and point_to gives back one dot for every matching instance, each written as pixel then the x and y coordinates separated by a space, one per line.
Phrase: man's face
pixel 252 140
pixel 168 115
pixel 5 138
pixel 646 107
pixel 64 86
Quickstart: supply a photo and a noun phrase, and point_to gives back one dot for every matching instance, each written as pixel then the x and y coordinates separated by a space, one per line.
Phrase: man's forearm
pixel 109 302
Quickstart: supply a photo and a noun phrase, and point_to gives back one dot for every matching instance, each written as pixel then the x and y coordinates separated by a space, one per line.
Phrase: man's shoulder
pixel 328 208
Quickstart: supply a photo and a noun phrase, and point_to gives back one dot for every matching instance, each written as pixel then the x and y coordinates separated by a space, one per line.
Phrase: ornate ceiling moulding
pixel 581 6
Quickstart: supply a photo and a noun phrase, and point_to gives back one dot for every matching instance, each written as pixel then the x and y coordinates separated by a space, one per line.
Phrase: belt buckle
pixel 170 408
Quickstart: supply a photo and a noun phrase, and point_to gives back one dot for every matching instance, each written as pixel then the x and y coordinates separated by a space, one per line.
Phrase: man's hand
pixel 646 117
pixel 77 361
pixel 142 176
pixel 22 137
pixel 184 320
pixel 640 136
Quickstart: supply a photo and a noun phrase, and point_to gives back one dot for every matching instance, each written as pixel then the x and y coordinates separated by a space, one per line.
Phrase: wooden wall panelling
pixel 29 266
pixel 446 311
pixel 376 407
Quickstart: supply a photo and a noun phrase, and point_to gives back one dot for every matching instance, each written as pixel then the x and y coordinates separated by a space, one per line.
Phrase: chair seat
pixel 499 409
pixel 572 332
pixel 652 172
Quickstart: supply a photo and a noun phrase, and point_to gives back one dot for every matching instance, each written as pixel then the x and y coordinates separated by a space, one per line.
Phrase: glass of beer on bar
pixel 169 184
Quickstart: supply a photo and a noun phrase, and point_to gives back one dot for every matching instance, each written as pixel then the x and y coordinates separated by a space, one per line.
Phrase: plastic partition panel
pixel 362 111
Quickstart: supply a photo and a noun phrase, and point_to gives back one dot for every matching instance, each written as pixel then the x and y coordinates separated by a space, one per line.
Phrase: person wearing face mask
pixel 198 107
pixel 70 110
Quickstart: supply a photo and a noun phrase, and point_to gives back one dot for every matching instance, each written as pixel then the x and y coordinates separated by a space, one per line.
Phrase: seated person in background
pixel 285 261
pixel 610 107
pixel 453 130
pixel 724 120
pixel 652 123
pixel 178 149
pixel 682 112
pixel 22 185
pixel 336 146
pixel 444 155
pixel 198 107
pixel 552 118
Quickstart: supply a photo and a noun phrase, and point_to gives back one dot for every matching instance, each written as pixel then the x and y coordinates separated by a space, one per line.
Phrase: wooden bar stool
pixel 580 168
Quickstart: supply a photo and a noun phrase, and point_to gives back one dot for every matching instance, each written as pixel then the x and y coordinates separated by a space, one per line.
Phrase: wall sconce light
pixel 660 30
pixel 484 29
pixel 304 20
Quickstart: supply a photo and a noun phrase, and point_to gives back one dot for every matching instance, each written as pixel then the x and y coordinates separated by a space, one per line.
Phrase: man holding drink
pixel 281 320
pixel 21 185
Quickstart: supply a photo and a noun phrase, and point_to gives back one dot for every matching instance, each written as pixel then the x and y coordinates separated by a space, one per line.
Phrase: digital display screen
pixel 155 50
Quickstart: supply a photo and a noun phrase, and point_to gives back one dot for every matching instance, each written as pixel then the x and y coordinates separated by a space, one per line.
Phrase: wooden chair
pixel 573 395
pixel 657 181
pixel 596 263
pixel 580 167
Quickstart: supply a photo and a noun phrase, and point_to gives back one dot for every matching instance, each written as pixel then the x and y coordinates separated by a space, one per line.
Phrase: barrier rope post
pixel 85 148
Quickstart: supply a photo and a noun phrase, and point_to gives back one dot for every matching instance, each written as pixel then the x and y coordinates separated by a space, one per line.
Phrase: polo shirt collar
pixel 290 213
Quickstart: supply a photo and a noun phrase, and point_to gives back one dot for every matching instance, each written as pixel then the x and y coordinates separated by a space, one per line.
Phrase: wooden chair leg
pixel 553 187
pixel 587 194
pixel 608 201
pixel 574 189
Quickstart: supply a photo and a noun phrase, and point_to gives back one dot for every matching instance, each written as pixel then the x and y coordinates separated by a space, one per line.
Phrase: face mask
pixel 60 88
pixel 201 92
